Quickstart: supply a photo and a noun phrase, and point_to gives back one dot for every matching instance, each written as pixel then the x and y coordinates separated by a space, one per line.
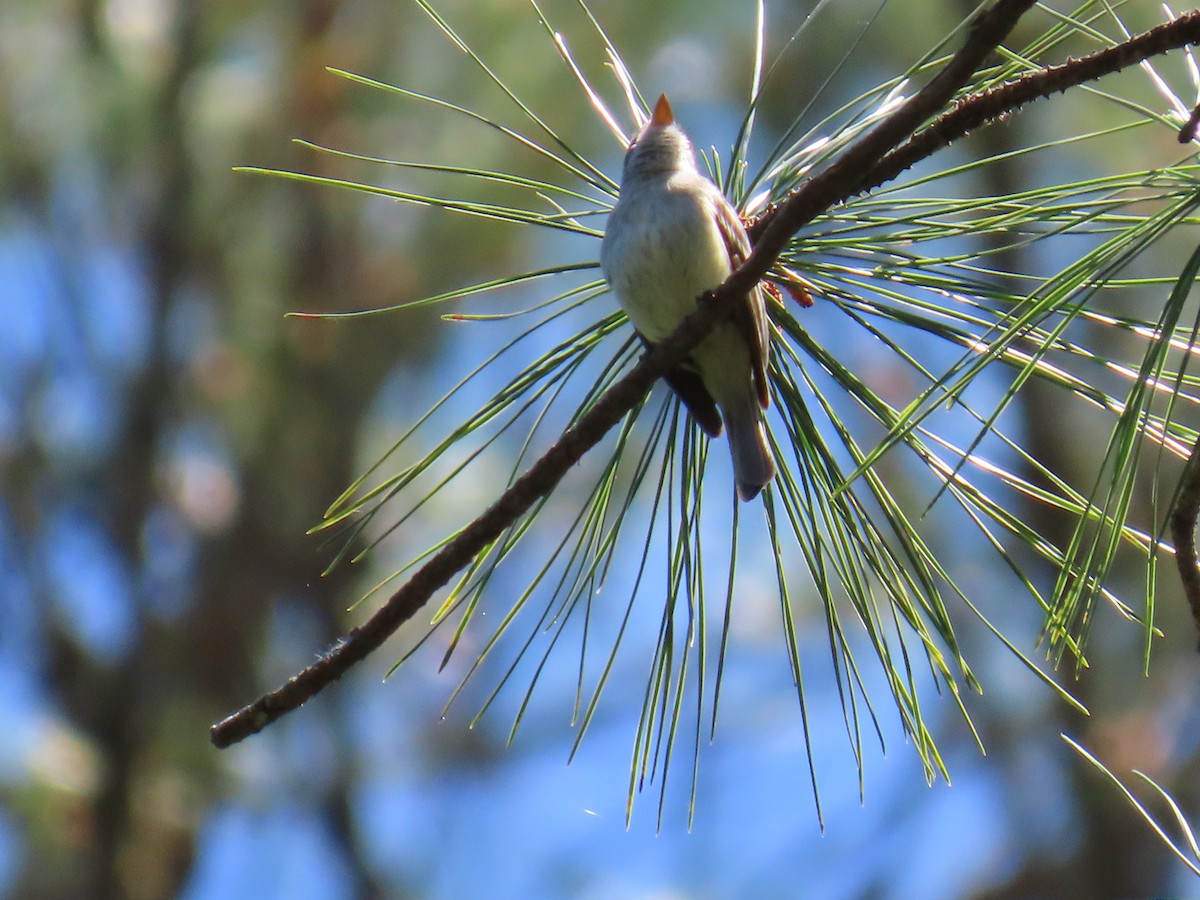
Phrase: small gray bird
pixel 671 237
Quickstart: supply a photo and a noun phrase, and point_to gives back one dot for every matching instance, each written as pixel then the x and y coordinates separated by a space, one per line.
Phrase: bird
pixel 671 237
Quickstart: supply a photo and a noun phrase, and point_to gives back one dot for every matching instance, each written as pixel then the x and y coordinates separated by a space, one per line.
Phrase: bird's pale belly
pixel 659 272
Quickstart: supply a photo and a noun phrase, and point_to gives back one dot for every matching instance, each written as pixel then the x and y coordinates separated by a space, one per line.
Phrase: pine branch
pixel 984 107
pixel 845 177
pixel 878 156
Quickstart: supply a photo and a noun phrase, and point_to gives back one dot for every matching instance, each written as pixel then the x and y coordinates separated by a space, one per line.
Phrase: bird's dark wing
pixel 750 316
pixel 695 396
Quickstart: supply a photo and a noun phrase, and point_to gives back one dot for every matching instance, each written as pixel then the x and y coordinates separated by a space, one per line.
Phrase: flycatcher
pixel 671 237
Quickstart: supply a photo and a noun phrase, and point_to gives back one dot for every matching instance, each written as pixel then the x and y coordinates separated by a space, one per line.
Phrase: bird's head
pixel 660 148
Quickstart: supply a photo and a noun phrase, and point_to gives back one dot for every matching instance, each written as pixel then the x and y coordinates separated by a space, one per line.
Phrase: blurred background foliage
pixel 167 437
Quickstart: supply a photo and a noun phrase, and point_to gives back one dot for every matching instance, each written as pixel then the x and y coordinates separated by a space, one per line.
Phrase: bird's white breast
pixel 662 249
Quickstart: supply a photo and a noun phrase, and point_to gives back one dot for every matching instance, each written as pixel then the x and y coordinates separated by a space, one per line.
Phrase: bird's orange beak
pixel 662 112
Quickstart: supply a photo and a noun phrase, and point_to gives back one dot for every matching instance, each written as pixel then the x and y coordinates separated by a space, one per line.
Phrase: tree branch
pixel 987 106
pixel 845 177
pixel 982 108
pixel 870 161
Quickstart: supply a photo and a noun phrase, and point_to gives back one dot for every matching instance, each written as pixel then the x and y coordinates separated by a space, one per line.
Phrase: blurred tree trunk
pixel 312 391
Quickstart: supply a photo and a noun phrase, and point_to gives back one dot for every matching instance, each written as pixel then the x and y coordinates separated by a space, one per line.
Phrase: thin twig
pixel 1187 133
pixel 858 166
pixel 1183 531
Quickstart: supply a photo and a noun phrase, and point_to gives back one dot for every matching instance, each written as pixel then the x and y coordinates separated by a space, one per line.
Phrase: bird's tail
pixel 753 464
